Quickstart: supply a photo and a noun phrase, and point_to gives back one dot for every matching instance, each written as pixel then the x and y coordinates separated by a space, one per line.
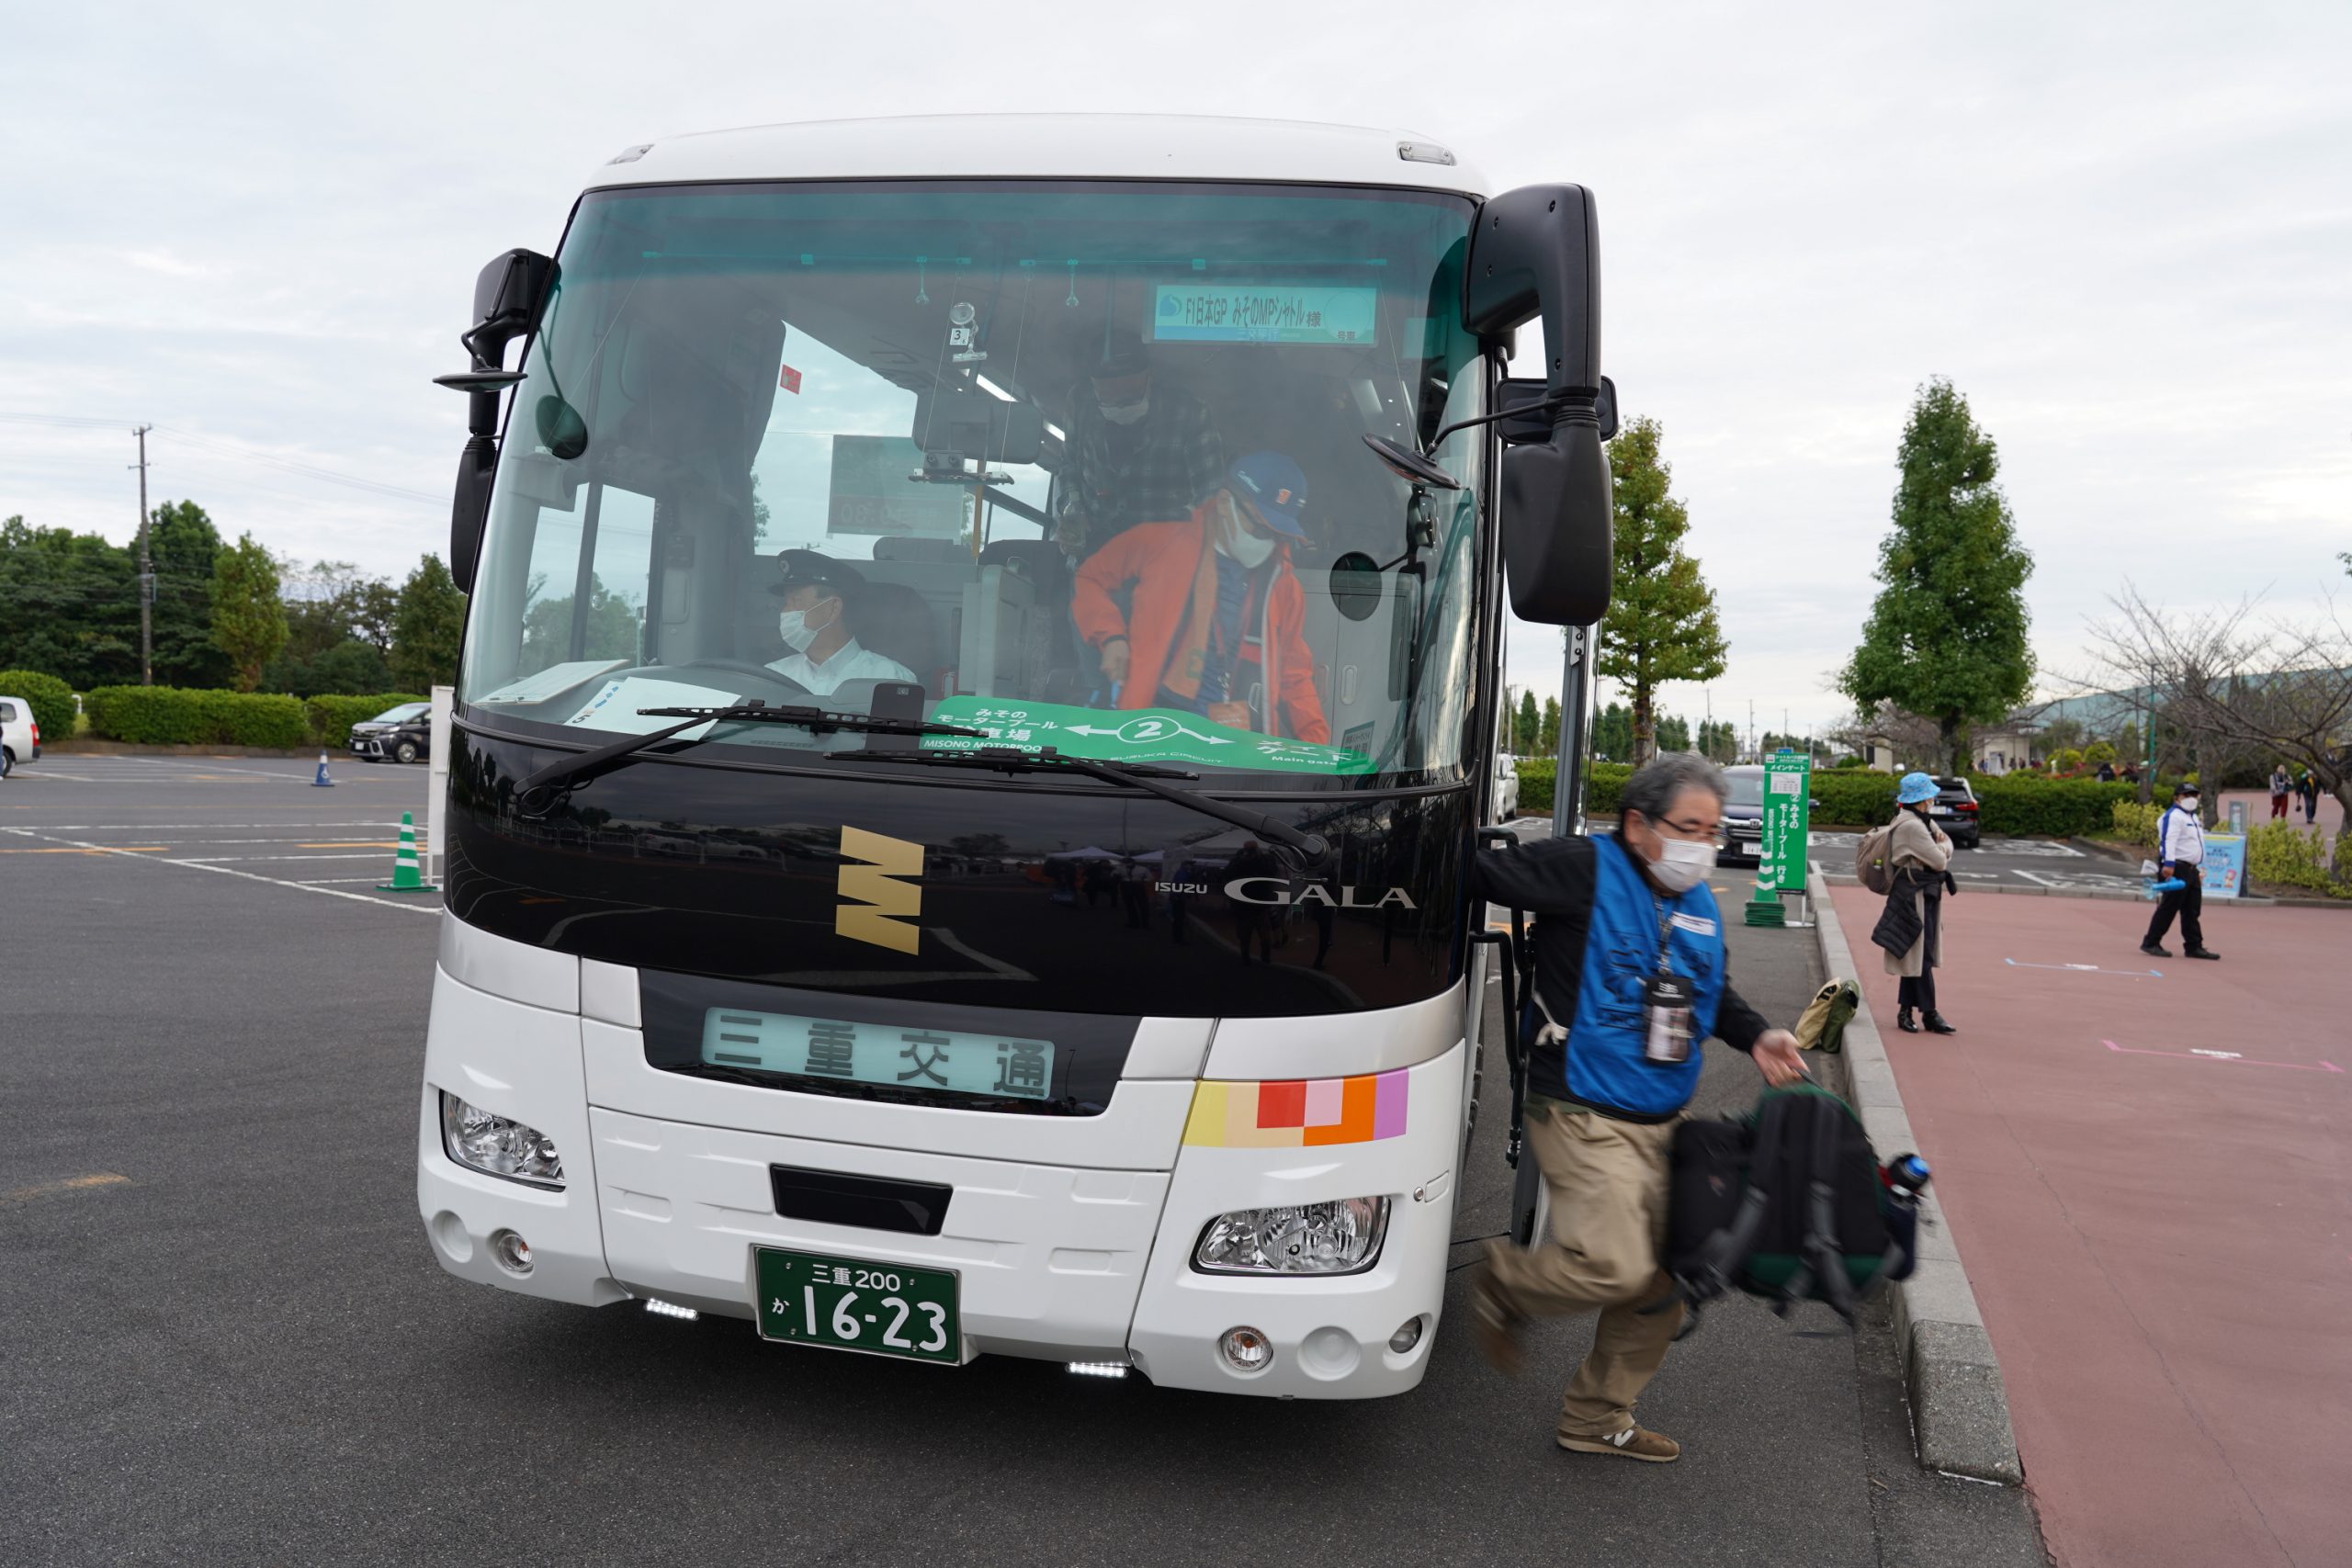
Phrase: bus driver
pixel 1218 618
pixel 819 595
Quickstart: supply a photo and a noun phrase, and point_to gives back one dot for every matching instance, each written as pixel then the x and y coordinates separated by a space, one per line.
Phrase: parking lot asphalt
pixel 2049 865
pixel 226 1340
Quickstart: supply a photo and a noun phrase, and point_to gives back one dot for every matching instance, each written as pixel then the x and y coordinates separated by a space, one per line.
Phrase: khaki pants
pixel 1608 1190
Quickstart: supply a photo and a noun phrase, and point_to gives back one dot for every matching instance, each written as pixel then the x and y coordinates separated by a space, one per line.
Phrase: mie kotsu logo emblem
pixel 875 905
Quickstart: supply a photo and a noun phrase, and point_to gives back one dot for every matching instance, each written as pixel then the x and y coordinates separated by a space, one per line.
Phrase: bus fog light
pixel 498 1146
pixel 1406 1336
pixel 1247 1350
pixel 1341 1237
pixel 511 1251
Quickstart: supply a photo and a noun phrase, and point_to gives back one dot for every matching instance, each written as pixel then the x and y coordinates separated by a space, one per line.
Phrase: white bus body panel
pixel 1048 146
pixel 1072 1237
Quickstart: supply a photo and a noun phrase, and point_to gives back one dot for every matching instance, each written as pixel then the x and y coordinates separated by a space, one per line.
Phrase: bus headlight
pixel 498 1146
pixel 1341 1237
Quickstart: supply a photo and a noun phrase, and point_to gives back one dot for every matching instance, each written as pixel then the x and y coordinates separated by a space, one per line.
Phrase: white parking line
pixel 225 871
pixel 246 860
pixel 170 827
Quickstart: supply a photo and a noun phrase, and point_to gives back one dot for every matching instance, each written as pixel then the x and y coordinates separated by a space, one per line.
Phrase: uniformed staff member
pixel 819 597
pixel 2180 856
pixel 1630 978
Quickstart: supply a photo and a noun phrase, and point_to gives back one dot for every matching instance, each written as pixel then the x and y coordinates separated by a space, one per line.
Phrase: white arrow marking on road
pixel 2087 968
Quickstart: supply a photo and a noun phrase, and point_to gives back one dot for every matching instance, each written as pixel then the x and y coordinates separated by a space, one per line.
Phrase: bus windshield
pixel 1076 465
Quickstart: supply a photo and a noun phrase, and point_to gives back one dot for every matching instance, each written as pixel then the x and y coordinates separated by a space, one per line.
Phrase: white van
pixel 19 736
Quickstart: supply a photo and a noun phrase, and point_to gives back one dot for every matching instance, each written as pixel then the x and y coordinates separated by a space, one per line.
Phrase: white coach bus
pixel 980 685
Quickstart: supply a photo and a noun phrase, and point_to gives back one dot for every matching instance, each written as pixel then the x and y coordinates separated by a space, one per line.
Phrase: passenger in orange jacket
pixel 1219 616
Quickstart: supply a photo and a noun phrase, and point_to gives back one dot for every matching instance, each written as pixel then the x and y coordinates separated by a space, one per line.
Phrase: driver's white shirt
pixel 850 661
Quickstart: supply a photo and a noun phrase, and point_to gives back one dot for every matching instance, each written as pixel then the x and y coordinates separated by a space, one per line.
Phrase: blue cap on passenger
pixel 1915 788
pixel 1275 489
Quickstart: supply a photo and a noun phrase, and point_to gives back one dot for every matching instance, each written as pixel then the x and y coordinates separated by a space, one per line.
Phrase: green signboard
pixel 1143 735
pixel 1788 796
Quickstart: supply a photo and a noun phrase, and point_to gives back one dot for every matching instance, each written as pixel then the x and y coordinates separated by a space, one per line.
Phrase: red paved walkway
pixel 2160 1243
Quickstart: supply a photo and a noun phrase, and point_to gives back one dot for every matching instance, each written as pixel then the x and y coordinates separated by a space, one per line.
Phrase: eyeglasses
pixel 1682 829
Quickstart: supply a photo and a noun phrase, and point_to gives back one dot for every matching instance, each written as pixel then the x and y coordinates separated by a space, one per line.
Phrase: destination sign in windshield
pixel 935 1059
pixel 1221 312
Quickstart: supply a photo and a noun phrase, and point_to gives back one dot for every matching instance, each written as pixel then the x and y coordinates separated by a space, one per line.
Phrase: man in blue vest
pixel 2180 856
pixel 1630 978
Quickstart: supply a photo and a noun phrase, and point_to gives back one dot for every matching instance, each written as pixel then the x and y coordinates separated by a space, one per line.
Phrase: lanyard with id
pixel 1666 1002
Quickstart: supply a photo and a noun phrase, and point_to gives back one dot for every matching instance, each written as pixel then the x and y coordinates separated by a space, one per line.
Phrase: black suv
pixel 402 733
pixel 1955 812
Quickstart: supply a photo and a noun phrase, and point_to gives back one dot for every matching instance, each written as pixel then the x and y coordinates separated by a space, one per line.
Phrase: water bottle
pixel 1906 1177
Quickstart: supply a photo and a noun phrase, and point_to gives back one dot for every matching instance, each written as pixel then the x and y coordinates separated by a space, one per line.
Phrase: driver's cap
pixel 807 567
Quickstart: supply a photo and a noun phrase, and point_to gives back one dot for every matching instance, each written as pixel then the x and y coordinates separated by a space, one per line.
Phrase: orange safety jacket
pixel 1164 564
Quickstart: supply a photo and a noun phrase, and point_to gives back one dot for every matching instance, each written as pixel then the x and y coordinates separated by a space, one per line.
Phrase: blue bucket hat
pixel 1275 489
pixel 1915 788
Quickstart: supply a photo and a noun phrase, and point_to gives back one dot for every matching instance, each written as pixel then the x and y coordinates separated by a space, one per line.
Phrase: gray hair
pixel 1659 782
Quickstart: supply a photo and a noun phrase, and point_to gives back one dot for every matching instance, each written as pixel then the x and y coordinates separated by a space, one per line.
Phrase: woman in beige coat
pixel 1910 930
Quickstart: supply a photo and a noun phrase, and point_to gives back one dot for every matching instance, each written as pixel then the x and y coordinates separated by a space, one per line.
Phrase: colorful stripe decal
pixel 1298 1115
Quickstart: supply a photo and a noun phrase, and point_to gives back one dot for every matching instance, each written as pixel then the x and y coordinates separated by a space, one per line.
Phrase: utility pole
pixel 1575 724
pixel 1752 731
pixel 146 571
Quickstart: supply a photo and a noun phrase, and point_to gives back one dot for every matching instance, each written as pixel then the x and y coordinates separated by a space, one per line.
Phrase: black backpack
pixel 1784 1202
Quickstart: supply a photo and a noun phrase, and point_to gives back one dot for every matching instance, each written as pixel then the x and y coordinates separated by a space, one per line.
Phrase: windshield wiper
pixel 1314 847
pixel 538 794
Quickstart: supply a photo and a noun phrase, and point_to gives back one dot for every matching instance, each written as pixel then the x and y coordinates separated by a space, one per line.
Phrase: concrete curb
pixel 1959 1415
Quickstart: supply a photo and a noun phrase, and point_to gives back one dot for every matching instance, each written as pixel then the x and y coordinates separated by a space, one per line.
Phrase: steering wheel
pixel 744 667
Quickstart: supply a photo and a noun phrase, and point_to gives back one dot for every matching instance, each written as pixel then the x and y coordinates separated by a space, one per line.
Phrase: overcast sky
pixel 2125 232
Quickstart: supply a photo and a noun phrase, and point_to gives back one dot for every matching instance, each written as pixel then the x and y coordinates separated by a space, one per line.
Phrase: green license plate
pixel 855 1304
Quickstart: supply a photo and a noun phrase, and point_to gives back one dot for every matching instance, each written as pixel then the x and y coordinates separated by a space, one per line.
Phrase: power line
pixel 239 450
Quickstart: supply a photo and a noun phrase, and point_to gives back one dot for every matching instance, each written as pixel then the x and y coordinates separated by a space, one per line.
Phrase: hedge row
pixel 331 717
pixel 2016 806
pixel 2279 851
pixel 51 699
pixel 169 716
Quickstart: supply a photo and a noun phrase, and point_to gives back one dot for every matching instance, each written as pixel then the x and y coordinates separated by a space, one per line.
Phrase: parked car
pixel 1744 814
pixel 1505 786
pixel 1956 812
pixel 402 733
pixel 20 736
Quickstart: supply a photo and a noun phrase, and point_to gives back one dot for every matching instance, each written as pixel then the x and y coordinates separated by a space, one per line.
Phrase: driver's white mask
pixel 1128 412
pixel 794 627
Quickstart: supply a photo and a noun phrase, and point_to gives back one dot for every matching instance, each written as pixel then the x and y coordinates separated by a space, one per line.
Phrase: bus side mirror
pixel 1537 250
pixel 508 296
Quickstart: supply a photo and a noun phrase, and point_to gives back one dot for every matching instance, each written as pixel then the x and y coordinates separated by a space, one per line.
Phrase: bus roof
pixel 1048 146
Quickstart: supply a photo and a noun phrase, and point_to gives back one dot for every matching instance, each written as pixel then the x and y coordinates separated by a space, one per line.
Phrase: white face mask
pixel 1232 539
pixel 2188 803
pixel 1128 413
pixel 1682 866
pixel 794 627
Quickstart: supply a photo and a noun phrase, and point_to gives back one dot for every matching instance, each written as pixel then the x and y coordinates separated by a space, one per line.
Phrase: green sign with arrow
pixel 1137 735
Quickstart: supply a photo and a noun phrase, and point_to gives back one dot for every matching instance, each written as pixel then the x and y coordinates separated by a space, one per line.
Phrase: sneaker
pixel 2155 950
pixel 1495 1325
pixel 1633 1442
pixel 2201 953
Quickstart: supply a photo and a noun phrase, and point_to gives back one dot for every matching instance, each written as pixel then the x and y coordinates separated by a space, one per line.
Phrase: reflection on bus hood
pixel 1033 893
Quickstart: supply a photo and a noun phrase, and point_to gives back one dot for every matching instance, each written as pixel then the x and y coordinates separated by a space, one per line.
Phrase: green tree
pixel 1529 726
pixel 1662 624
pixel 428 623
pixel 1674 735
pixel 1547 734
pixel 1946 636
pixel 1612 732
pixel 1717 741
pixel 2098 751
pixel 184 549
pixel 69 605
pixel 248 620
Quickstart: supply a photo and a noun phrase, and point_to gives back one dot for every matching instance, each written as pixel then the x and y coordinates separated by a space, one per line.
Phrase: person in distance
pixel 2180 857
pixel 1911 927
